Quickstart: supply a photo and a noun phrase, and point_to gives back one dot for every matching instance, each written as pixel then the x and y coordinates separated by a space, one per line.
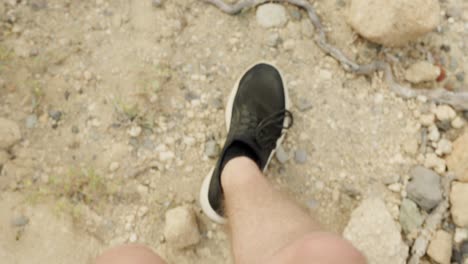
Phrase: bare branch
pixel 419 248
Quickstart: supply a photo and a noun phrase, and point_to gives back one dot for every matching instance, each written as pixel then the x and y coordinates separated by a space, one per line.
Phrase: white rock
pixel 433 133
pixel 134 131
pixel 444 147
pixel 422 71
pixel 395 187
pixel 445 113
pixel 440 248
pixel 458 122
pixel 427 119
pixel 10 133
pixel 393 23
pixel 166 155
pixel 374 232
pixel 271 15
pixel 459 201
pixel 435 163
pixel 181 229
pixel 461 234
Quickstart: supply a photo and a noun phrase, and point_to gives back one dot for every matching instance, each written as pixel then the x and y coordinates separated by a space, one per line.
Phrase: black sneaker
pixel 257 116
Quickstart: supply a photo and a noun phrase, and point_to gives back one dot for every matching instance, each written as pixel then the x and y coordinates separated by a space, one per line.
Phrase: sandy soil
pixel 111 67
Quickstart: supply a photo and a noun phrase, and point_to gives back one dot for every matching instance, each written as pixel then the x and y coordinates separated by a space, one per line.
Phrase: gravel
pixel 424 188
pixel 300 156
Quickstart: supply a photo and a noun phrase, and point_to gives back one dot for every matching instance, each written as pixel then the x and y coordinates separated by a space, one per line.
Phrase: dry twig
pixel 433 221
pixel 457 100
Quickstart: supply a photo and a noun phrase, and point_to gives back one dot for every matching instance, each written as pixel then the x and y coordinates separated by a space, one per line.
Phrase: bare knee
pixel 129 254
pixel 320 248
pixel 239 172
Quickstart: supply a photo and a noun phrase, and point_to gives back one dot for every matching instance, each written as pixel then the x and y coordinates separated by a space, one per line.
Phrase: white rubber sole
pixel 205 204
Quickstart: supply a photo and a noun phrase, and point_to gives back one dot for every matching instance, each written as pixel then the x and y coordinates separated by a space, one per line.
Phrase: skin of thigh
pixel 318 248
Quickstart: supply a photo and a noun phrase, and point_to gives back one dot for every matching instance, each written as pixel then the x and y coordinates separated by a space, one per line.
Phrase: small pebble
pixel 461 234
pixel 20 221
pixel 304 104
pixel 31 121
pixel 212 149
pixel 435 163
pixel 134 131
pixel 434 134
pixel 55 115
pixel 281 155
pixel 427 120
pixel 300 156
pixel 444 147
pixel 395 187
pixel 445 113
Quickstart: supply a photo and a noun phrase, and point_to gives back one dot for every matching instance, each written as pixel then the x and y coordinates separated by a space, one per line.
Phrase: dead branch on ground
pixel 433 221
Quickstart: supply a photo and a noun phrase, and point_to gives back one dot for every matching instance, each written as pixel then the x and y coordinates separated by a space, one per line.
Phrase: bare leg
pixel 129 254
pixel 266 227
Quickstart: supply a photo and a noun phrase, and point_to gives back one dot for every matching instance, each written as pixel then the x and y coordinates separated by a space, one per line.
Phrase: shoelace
pixel 275 120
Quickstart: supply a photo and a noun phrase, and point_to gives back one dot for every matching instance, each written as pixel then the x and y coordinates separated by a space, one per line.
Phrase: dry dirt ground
pixel 94 72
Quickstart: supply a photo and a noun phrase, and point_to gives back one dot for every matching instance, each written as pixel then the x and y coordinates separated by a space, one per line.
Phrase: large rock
pixel 181 228
pixel 373 231
pixel 440 248
pixel 271 15
pixel 395 22
pixel 424 188
pixel 457 162
pixel 459 203
pixel 10 133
